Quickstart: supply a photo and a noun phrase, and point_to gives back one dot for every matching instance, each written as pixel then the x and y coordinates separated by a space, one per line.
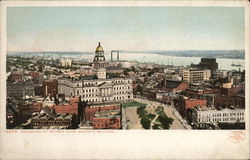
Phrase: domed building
pixel 99 63
pixel 97 90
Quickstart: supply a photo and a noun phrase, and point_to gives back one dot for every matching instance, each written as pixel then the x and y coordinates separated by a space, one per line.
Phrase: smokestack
pixel 111 56
pixel 117 55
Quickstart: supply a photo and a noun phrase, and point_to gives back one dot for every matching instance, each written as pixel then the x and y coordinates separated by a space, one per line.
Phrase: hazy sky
pixel 124 28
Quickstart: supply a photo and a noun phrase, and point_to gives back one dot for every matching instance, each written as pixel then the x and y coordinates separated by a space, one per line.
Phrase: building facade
pixel 97 89
pixel 203 116
pixel 21 90
pixel 50 87
pixel 44 121
pixel 66 63
pixel 196 76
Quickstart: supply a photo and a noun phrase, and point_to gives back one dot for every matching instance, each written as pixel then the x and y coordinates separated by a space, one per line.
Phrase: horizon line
pixel 142 50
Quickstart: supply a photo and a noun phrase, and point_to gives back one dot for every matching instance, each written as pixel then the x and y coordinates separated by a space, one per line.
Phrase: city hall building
pixel 97 89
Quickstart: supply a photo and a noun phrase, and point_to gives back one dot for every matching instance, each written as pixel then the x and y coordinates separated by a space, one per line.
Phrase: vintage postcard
pixel 124 80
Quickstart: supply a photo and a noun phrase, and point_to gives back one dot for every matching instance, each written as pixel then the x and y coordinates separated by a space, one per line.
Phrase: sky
pixel 36 29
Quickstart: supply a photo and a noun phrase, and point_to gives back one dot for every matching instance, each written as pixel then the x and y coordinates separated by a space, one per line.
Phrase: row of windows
pixel 103 122
pixel 95 90
pixel 116 88
pixel 92 95
pixel 228 114
pixel 106 125
pixel 91 83
pixel 89 90
pixel 106 99
pixel 221 119
pixel 95 100
pixel 89 95
pixel 120 81
pixel 51 123
pixel 121 92
pixel 225 114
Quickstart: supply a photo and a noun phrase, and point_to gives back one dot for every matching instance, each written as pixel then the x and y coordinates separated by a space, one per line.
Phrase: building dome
pixel 99 48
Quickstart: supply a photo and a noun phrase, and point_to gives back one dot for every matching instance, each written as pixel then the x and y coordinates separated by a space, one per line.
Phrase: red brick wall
pixel 185 104
pixel 195 94
pixel 182 87
pixel 90 111
pixel 231 91
pixel 190 103
pixel 110 123
pixel 16 77
pixel 62 109
pixel 74 100
pixel 222 100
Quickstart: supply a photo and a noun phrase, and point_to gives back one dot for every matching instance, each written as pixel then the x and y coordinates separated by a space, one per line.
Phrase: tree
pixel 165 121
pixel 145 123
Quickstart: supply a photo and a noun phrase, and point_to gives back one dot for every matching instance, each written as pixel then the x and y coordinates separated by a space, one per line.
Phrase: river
pixel 223 63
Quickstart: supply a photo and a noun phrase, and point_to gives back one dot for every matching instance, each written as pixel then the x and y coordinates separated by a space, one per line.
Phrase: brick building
pixel 232 90
pixel 174 85
pixel 90 111
pixel 226 101
pixel 17 75
pixel 38 90
pixel 44 121
pixel 70 108
pixel 15 90
pixel 19 90
pixel 197 93
pixel 26 109
pixel 107 119
pixel 50 87
pixel 186 103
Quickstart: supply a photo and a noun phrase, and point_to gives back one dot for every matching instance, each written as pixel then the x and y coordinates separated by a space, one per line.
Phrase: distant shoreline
pixel 228 54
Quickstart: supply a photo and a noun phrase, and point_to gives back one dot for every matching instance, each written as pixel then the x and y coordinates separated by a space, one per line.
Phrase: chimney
pixel 111 56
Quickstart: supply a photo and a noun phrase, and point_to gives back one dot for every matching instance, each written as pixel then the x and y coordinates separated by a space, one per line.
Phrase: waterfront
pixel 224 64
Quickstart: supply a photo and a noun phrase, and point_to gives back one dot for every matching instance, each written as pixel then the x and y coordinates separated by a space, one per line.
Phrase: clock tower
pixel 99 63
